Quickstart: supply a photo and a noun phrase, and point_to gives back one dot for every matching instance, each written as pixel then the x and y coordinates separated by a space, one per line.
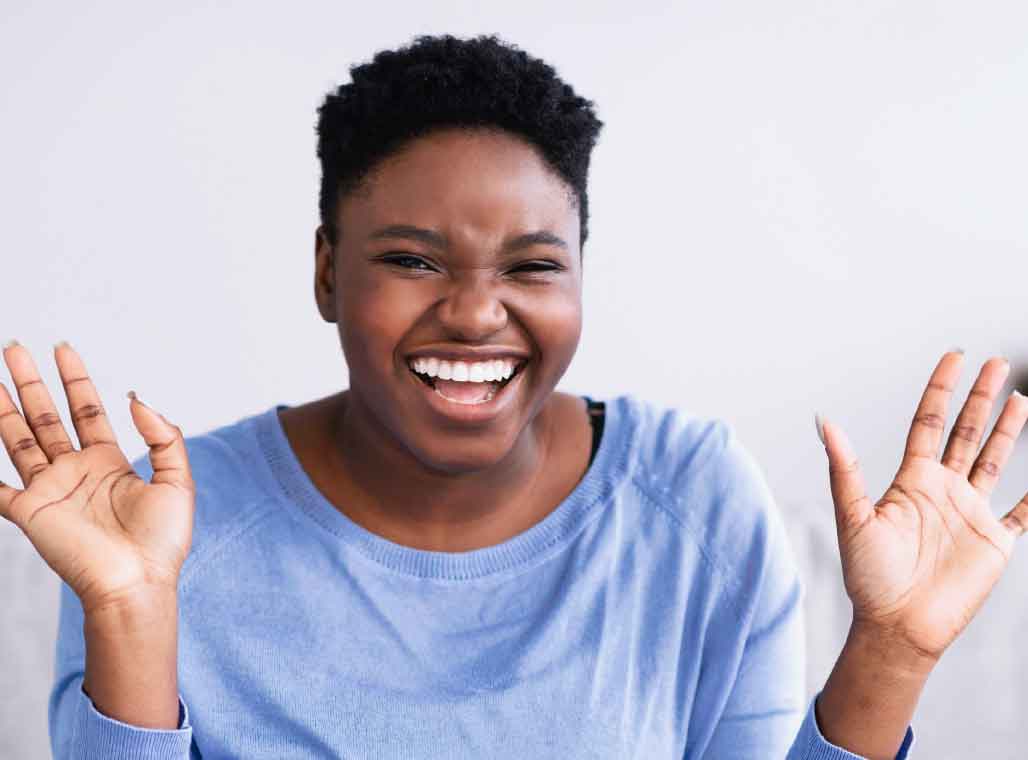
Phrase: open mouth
pixel 464 391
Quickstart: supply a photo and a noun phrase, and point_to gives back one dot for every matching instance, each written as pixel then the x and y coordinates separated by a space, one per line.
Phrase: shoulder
pixel 697 472
pixel 231 490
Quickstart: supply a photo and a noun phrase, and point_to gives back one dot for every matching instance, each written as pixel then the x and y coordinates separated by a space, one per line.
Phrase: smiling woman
pixel 463 247
pixel 449 558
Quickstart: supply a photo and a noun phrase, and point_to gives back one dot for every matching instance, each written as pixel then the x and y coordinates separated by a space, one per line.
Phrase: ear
pixel 324 275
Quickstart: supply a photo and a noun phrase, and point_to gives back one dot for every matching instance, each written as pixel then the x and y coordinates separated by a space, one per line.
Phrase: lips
pixel 482 403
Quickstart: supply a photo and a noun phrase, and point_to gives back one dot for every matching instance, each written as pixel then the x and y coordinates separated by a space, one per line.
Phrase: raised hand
pixel 919 562
pixel 109 534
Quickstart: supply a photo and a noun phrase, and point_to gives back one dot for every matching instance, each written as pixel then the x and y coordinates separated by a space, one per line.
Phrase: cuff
pixel 813 745
pixel 98 736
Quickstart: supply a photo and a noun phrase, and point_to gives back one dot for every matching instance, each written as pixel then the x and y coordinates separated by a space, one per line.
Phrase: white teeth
pixel 474 372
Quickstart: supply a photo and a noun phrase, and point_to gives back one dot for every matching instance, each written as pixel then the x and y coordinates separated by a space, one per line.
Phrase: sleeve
pixel 78 731
pixel 811 745
pixel 764 716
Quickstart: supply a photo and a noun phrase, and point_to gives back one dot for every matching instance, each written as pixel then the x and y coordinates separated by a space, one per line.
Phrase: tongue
pixel 465 392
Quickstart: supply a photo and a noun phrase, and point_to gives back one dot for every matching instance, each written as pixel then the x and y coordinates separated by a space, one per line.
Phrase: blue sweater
pixel 654 614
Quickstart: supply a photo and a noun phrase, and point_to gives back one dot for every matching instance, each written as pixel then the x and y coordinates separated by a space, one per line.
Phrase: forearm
pixel 131 668
pixel 871 694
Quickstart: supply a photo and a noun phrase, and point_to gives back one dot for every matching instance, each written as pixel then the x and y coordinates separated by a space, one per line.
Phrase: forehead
pixel 464 182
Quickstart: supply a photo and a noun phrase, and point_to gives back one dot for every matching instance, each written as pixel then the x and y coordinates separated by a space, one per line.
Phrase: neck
pixel 393 494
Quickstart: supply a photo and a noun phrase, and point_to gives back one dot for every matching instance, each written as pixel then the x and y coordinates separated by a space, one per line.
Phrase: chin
pixel 458 455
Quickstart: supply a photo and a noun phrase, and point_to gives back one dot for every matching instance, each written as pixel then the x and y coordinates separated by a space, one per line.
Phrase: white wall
pixel 796 206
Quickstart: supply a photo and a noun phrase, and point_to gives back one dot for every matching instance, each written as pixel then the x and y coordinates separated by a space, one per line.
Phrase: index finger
pixel 87 412
pixel 929 422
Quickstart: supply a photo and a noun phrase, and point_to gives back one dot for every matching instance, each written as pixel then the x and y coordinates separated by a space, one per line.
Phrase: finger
pixel 994 455
pixel 967 432
pixel 852 506
pixel 168 456
pixel 87 412
pixel 1016 520
pixel 7 494
pixel 21 444
pixel 39 410
pixel 930 418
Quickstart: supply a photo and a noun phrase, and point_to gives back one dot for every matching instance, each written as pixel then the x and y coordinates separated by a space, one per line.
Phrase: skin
pixel 917 564
pixel 376 450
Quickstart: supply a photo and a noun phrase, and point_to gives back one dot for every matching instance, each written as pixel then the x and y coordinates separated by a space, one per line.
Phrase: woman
pixel 449 558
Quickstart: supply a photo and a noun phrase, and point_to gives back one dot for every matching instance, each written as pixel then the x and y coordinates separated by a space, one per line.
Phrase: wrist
pixel 142 601
pixel 872 692
pixel 152 620
pixel 132 661
pixel 888 652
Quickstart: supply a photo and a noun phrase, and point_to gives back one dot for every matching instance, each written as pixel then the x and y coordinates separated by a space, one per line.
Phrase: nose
pixel 471 311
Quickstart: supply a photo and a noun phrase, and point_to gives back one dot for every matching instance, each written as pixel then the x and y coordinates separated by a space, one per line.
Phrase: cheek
pixel 555 324
pixel 376 316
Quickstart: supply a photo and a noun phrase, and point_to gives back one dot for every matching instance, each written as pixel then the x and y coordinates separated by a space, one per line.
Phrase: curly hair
pixel 444 81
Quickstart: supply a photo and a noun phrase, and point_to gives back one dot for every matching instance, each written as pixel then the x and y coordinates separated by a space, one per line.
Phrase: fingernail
pixel 956 350
pixel 132 395
pixel 63 343
pixel 819 424
pixel 11 343
pixel 1018 393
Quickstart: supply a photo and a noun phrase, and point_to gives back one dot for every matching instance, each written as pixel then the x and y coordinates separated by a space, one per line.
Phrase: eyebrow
pixel 410 232
pixel 432 238
pixel 541 237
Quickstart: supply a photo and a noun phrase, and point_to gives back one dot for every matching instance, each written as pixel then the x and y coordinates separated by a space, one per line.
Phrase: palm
pixel 921 561
pixel 101 528
pixel 127 533
pixel 930 554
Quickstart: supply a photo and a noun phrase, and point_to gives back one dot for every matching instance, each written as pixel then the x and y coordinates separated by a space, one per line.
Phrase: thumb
pixel 168 456
pixel 852 507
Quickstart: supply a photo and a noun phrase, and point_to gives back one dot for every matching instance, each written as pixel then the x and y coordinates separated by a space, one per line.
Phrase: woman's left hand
pixel 918 563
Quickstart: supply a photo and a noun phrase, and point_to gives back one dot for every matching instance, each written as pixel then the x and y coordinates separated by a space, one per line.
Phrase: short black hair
pixel 444 81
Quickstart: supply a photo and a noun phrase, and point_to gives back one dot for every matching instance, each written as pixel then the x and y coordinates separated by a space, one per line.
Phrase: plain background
pixel 796 206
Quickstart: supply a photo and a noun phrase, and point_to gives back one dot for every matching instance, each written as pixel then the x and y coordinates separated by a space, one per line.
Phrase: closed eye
pixel 416 263
pixel 538 266
pixel 406 261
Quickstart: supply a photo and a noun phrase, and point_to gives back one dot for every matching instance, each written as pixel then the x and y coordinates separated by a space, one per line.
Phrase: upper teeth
pixel 475 372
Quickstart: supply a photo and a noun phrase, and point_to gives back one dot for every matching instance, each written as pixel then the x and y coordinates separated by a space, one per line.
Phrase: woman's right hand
pixel 111 536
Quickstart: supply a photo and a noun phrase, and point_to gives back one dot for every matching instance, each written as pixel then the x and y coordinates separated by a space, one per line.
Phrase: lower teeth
pixel 488 397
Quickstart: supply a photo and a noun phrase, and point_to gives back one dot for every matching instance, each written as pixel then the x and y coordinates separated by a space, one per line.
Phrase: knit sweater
pixel 656 613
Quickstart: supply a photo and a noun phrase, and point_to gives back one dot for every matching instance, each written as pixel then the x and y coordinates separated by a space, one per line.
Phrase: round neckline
pixel 585 501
